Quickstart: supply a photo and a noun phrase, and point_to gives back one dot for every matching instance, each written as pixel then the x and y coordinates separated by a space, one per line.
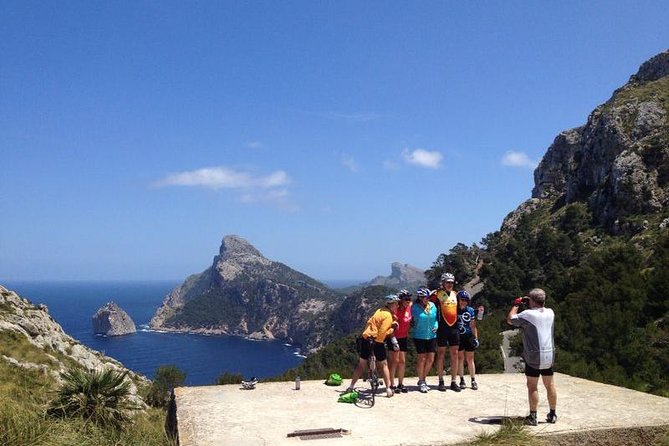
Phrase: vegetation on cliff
pixel 27 393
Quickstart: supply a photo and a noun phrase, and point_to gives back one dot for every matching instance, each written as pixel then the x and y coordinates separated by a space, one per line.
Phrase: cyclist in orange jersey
pixel 448 334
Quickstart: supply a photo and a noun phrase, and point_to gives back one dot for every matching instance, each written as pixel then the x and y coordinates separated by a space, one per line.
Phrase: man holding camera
pixel 538 349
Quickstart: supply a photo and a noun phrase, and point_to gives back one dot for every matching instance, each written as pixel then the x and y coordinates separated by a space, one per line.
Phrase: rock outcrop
pixel 618 162
pixel 401 276
pixel 112 320
pixel 244 293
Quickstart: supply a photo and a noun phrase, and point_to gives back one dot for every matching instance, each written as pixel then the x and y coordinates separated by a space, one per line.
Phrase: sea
pixel 202 358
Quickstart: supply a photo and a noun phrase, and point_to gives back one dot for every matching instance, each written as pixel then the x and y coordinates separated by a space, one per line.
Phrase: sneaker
pixel 463 384
pixel 389 392
pixel 402 388
pixel 551 417
pixel 441 387
pixel 393 388
pixel 455 387
pixel 531 420
pixel 423 388
pixel 474 385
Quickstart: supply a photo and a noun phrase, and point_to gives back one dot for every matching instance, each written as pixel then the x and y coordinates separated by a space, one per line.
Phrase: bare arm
pixel 512 312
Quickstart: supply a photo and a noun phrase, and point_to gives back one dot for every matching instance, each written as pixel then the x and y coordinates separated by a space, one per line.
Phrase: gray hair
pixel 538 295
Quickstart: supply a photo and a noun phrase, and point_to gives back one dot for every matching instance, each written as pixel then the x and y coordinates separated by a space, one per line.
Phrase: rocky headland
pixel 112 320
pixel 244 293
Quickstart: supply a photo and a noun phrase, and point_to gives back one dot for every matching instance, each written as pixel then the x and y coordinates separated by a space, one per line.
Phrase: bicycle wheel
pixel 373 378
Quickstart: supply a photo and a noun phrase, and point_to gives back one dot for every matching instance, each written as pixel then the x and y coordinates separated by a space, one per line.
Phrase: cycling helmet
pixel 390 298
pixel 464 295
pixel 422 292
pixel 404 294
pixel 448 277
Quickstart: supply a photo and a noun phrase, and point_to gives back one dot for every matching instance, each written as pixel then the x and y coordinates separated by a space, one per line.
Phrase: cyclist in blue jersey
pixel 469 339
pixel 424 333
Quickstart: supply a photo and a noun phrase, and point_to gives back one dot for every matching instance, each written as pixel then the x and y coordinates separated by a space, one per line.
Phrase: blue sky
pixel 337 137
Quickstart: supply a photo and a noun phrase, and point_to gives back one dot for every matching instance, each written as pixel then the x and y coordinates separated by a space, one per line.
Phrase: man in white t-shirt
pixel 538 349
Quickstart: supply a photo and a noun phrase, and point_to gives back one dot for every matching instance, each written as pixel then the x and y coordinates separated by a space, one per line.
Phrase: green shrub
pixel 98 397
pixel 230 378
pixel 167 378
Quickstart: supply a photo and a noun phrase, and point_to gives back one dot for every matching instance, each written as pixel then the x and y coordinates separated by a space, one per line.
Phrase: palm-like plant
pixel 100 397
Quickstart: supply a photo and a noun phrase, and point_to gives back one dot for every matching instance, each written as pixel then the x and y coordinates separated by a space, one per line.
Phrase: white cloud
pixel 348 162
pixel 269 189
pixel 518 159
pixel 423 158
pixel 224 178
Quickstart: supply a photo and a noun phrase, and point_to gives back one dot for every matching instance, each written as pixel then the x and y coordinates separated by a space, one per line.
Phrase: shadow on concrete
pixel 497 420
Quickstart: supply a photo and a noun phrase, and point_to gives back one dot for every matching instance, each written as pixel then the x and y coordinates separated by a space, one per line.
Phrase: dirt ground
pixel 635 436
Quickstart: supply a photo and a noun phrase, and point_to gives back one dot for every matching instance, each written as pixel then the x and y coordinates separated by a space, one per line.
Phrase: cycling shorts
pixel 425 345
pixel 531 371
pixel 364 350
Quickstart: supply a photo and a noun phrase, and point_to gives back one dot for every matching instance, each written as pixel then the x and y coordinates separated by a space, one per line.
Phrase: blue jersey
pixel 424 321
pixel 465 318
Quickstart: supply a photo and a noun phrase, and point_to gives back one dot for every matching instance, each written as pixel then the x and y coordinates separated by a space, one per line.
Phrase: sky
pixel 336 137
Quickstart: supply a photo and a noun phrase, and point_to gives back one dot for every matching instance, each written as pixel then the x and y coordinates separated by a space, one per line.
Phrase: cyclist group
pixel 443 320
pixel 437 321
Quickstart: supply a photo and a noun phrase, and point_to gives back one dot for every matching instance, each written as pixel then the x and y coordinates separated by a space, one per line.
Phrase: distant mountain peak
pixel 235 255
pixel 402 275
pixel 233 245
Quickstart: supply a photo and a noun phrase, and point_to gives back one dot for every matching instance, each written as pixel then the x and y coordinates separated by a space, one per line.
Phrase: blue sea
pixel 202 358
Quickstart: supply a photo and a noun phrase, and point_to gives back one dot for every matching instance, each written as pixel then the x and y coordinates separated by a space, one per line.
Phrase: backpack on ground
pixel 333 380
pixel 348 397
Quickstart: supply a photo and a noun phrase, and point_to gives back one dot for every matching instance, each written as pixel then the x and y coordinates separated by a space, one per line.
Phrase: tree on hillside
pixel 167 378
pixel 461 260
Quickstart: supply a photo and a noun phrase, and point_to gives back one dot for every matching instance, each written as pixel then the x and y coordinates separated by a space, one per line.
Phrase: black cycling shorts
pixel 447 336
pixel 531 371
pixel 425 345
pixel 466 343
pixel 364 350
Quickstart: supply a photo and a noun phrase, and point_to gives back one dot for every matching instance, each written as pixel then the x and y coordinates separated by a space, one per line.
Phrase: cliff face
pixel 23 324
pixel 244 293
pixel 618 162
pixel 112 320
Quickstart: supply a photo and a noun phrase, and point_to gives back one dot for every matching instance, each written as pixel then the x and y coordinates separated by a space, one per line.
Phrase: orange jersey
pixel 449 306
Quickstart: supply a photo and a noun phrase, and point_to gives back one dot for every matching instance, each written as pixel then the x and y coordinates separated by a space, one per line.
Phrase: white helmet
pixel 448 277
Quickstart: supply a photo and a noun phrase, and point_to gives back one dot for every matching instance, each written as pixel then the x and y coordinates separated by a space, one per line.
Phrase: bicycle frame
pixel 372 375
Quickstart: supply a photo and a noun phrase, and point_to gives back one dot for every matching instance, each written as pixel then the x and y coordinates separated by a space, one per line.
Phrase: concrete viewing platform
pixel 228 415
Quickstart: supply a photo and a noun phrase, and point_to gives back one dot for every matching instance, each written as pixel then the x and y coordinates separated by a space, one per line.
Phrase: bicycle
pixel 372 375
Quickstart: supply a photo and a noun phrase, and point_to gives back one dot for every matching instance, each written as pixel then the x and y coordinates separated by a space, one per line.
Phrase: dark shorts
pixel 425 345
pixel 531 371
pixel 364 350
pixel 401 341
pixel 466 343
pixel 447 336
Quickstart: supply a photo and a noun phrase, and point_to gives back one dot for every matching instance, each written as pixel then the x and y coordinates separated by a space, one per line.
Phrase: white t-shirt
pixel 538 347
